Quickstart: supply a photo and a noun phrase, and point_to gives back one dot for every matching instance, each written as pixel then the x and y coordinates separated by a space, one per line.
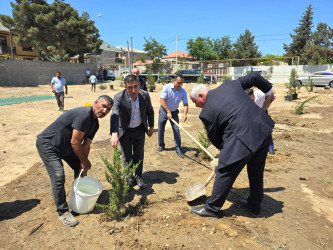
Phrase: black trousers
pixel 132 144
pixel 226 176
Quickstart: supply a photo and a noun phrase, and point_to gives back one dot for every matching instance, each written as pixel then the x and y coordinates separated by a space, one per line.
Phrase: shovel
pixel 198 189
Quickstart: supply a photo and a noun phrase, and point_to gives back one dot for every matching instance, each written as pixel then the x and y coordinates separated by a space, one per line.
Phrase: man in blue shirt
pixel 57 87
pixel 171 95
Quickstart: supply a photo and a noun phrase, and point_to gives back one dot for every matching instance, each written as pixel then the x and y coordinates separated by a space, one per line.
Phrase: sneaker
pixel 180 154
pixel 160 149
pixel 271 151
pixel 68 219
pixel 140 183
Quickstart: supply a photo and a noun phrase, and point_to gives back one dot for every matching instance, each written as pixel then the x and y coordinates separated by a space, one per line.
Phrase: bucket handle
pixel 77 183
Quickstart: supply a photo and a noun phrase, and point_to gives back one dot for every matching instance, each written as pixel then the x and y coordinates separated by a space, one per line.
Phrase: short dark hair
pixel 180 75
pixel 106 98
pixel 130 78
pixel 249 91
pixel 58 72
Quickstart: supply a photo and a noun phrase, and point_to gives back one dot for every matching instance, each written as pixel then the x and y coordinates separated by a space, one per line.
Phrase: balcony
pixel 118 60
pixel 6 49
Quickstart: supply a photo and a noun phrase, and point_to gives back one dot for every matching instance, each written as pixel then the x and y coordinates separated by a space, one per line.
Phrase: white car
pixel 320 78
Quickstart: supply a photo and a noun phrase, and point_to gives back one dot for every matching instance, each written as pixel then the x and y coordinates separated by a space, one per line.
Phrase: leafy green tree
pixel 201 48
pixel 33 20
pixel 150 78
pixel 222 48
pixel 155 50
pixel 87 36
pixel 245 48
pixel 319 50
pixel 9 23
pixel 302 35
pixel 64 24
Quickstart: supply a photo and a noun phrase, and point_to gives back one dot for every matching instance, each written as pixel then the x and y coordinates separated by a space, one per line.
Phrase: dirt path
pixel 297 206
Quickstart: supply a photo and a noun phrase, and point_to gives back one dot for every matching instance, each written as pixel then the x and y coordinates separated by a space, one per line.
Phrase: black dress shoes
pixel 131 182
pixel 203 212
pixel 253 212
pixel 140 182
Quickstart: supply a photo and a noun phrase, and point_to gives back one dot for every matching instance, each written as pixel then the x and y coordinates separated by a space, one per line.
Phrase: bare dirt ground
pixel 297 210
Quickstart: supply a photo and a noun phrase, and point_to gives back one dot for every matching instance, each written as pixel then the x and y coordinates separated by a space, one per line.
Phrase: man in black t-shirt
pixel 68 138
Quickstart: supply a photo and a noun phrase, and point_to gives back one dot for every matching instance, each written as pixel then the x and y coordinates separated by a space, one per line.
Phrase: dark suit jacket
pixel 143 84
pixel 235 124
pixel 121 112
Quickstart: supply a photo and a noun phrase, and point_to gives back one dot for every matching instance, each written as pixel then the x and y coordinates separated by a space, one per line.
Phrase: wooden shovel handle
pixel 202 147
pixel 209 178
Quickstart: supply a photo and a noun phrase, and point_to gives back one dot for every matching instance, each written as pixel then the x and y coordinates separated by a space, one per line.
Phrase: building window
pixel 27 48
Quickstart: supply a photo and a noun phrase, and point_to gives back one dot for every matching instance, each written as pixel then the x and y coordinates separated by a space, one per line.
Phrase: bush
pixel 299 108
pixel 201 78
pixel 204 141
pixel 293 84
pixel 102 87
pixel 150 79
pixel 310 86
pixel 117 176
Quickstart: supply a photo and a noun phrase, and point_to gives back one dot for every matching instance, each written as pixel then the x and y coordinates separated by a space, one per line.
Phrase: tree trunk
pixel 61 51
pixel 81 58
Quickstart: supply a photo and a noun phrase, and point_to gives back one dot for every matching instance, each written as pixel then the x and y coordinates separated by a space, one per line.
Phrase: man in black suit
pixel 131 115
pixel 241 130
pixel 142 81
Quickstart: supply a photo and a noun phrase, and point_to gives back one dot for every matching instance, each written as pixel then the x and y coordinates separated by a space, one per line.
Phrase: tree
pixel 201 48
pixel 222 48
pixel 64 23
pixel 9 23
pixel 245 47
pixel 87 37
pixel 155 50
pixel 33 24
pixel 319 50
pixel 302 35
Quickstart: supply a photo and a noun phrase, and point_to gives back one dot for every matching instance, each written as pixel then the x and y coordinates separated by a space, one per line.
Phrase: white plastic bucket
pixel 85 193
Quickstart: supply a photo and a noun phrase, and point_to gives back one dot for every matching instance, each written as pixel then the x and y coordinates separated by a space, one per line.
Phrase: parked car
pixel 191 75
pixel 110 76
pixel 320 78
pixel 210 77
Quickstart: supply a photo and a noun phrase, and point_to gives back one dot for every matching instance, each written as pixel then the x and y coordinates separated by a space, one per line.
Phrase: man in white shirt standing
pixel 57 87
pixel 171 95
pixel 259 98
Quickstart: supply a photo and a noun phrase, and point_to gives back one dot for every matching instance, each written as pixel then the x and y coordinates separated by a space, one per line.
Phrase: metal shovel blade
pixel 195 191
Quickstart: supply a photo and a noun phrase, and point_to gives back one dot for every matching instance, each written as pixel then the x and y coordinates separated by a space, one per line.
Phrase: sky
pixel 270 21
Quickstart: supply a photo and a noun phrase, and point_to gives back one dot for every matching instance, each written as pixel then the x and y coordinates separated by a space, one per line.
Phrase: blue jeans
pixel 55 168
pixel 162 119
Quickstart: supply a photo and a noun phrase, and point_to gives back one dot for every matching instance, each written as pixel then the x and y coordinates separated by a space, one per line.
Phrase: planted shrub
pixel 150 79
pixel 117 176
pixel 310 86
pixel 102 87
pixel 204 141
pixel 299 108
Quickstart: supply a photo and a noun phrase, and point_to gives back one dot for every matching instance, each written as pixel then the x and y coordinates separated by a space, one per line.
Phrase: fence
pixel 14 73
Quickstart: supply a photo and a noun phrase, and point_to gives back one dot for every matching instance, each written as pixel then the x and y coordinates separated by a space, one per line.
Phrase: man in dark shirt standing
pixel 68 138
pixel 142 81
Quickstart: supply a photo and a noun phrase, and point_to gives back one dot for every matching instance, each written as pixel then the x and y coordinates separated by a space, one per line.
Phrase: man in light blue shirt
pixel 57 87
pixel 171 95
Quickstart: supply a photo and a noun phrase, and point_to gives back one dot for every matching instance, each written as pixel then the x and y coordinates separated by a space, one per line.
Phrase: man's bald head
pixel 136 72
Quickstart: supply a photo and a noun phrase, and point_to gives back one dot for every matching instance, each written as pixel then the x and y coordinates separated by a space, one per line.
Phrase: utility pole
pixel 129 57
pixel 131 54
pixel 177 52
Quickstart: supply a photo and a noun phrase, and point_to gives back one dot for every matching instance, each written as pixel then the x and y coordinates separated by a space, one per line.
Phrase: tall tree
pixel 222 47
pixel 155 50
pixel 302 34
pixel 9 23
pixel 64 23
pixel 201 48
pixel 33 23
pixel 320 49
pixel 246 48
pixel 87 37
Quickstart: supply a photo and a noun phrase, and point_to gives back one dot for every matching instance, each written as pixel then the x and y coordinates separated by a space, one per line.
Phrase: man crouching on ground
pixel 68 138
